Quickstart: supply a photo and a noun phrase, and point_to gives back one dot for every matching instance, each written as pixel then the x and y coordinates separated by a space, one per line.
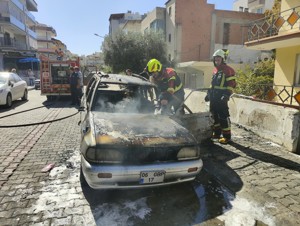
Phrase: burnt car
pixel 124 144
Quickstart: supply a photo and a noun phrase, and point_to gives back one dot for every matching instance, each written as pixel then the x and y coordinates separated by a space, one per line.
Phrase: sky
pixel 77 21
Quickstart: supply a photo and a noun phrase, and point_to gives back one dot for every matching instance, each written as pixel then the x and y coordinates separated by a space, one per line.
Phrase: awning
pixel 29 60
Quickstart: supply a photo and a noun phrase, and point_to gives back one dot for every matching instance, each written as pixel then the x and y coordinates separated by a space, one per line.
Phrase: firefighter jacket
pixel 223 82
pixel 169 82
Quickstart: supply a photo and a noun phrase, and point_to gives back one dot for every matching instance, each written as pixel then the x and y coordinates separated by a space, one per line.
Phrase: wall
pixel 285 65
pixel 277 123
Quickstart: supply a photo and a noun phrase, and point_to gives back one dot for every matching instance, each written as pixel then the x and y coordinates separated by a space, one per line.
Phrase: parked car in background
pixel 12 87
pixel 124 144
pixel 37 83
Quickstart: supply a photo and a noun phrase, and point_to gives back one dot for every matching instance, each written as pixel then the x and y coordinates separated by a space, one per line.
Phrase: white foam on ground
pixel 245 213
pixel 123 213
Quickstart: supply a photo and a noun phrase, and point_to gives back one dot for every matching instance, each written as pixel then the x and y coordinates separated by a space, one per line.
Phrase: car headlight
pixel 104 155
pixel 188 153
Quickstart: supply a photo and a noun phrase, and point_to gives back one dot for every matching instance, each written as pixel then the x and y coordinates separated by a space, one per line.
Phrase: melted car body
pixel 124 144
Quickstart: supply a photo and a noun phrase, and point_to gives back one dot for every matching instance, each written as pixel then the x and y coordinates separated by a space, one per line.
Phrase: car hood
pixel 139 129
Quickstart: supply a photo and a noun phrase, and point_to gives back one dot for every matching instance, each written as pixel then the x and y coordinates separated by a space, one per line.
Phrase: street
pixel 239 185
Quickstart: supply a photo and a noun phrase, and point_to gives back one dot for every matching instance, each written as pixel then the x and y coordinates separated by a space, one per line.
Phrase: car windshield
pixel 119 98
pixel 3 78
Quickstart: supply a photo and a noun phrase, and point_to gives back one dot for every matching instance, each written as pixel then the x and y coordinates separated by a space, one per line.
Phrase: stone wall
pixel 277 123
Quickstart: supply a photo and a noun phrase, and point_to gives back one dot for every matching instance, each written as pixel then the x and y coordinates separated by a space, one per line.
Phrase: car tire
pixel 82 179
pixel 25 95
pixel 8 100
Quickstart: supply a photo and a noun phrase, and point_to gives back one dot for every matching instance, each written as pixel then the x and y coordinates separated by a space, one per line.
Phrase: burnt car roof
pixel 124 79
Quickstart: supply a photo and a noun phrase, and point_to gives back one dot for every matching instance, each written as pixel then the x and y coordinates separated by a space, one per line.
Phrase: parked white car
pixel 12 87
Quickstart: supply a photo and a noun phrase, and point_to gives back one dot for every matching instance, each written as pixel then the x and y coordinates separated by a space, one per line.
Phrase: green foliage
pixel 275 9
pixel 255 81
pixel 133 50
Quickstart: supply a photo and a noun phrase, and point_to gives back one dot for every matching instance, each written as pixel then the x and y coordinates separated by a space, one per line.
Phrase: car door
pixel 85 106
pixel 13 87
pixel 19 86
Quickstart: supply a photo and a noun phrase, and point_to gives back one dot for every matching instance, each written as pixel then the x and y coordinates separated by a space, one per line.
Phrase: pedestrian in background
pixel 74 86
pixel 80 89
pixel 31 77
pixel 222 85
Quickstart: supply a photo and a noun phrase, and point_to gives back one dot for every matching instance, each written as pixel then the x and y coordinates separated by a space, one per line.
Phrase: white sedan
pixel 12 87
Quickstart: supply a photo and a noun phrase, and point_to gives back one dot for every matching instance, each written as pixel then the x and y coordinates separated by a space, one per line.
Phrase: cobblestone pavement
pixel 257 169
pixel 250 167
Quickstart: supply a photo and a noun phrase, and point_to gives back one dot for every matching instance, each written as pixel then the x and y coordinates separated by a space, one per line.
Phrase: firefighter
pixel 74 86
pixel 222 85
pixel 170 87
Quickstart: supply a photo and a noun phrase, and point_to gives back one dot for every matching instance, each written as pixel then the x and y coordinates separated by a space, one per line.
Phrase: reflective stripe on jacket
pixel 223 79
pixel 173 80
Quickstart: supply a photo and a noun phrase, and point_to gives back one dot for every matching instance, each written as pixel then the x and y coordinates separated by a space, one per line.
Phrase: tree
pixel 257 81
pixel 275 9
pixel 133 50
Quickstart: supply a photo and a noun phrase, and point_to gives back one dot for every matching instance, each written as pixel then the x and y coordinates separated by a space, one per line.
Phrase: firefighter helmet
pixel 154 66
pixel 220 53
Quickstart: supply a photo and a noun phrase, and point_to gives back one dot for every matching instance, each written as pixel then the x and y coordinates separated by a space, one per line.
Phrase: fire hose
pixel 182 102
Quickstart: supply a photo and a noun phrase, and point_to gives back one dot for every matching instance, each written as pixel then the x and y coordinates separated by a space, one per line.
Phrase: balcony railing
pixel 278 94
pixel 285 21
pixel 10 43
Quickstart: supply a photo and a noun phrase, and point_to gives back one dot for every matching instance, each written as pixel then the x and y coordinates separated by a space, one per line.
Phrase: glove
pixel 224 98
pixel 206 98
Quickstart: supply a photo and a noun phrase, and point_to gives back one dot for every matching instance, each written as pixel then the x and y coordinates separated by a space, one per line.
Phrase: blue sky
pixel 76 21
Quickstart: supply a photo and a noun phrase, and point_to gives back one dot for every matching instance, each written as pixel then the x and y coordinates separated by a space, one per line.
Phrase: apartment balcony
pixel 255 3
pixel 31 5
pixel 275 31
pixel 11 44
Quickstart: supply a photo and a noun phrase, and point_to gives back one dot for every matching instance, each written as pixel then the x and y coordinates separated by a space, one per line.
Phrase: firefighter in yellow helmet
pixel 222 85
pixel 170 87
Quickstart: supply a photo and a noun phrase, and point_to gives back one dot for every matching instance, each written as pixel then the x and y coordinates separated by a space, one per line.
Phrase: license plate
pixel 151 177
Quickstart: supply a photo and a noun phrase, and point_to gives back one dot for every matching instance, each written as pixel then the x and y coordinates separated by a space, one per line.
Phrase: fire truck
pixel 54 77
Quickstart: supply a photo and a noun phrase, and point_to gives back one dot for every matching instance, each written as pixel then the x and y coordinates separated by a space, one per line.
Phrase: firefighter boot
pixel 224 140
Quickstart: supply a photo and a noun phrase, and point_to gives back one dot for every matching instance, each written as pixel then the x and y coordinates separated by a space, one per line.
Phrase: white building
pixel 253 6
pixel 17 35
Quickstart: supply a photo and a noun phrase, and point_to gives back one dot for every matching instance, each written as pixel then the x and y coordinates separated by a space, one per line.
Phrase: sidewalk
pixel 256 169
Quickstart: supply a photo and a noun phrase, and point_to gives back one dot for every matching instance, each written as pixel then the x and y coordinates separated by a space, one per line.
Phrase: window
pixel 260 10
pixel 246 10
pixel 169 37
pixel 297 70
pixel 226 33
pixel 170 11
pixel 241 9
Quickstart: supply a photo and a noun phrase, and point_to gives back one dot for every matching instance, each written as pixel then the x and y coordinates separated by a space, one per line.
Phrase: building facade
pixel 18 39
pixel 124 22
pixel 154 21
pixel 195 29
pixel 45 36
pixel 282 33
pixel 253 6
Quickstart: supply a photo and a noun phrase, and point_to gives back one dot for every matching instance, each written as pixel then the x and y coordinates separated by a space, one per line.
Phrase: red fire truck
pixel 54 77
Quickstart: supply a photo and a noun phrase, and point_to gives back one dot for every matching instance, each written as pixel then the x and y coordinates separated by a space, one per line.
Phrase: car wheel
pixel 25 96
pixel 8 100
